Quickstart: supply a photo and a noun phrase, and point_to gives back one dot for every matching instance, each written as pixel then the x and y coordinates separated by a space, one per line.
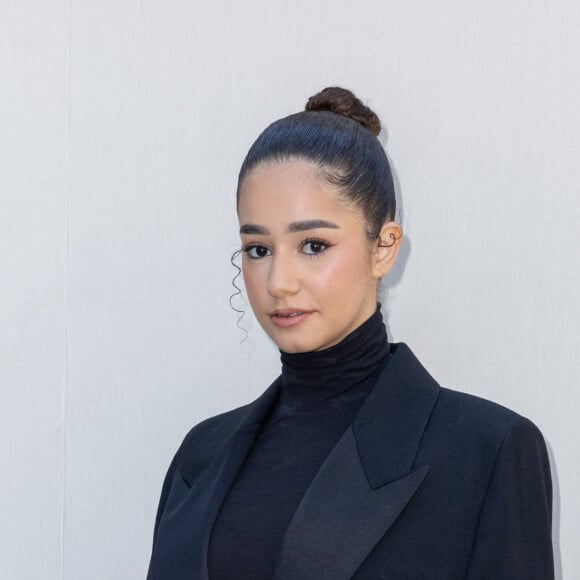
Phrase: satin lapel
pixel 208 490
pixel 366 480
pixel 390 425
pixel 340 519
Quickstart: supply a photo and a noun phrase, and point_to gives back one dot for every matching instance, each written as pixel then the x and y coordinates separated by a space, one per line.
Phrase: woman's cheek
pixel 343 268
pixel 252 282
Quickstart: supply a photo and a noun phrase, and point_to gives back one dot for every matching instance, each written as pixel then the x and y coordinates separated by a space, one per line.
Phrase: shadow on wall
pixel 556 511
pixel 396 274
pixel 393 279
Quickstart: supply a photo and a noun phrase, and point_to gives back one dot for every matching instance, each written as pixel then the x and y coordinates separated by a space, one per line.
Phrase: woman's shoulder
pixel 454 415
pixel 212 432
pixel 205 439
pixel 472 418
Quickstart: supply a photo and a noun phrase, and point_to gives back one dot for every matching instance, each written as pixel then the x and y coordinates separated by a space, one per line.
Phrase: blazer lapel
pixel 367 479
pixel 341 518
pixel 208 490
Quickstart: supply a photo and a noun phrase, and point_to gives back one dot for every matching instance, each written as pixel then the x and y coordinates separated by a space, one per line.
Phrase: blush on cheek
pixel 347 266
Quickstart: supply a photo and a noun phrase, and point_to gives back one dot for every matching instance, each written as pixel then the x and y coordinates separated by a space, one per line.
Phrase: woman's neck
pixel 312 377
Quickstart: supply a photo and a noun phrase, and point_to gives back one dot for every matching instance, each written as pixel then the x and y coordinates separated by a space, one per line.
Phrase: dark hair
pixel 337 133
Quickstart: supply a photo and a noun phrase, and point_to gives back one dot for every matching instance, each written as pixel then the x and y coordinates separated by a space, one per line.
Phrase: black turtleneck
pixel 320 395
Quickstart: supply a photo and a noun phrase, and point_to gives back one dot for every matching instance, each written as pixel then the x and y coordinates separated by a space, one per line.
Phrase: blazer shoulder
pixel 197 449
pixel 456 417
pixel 489 420
pixel 209 433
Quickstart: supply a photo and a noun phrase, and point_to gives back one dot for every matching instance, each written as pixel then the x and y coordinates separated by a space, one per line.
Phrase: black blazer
pixel 426 484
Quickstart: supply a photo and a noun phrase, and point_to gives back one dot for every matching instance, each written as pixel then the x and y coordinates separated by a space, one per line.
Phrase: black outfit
pixel 389 476
pixel 320 395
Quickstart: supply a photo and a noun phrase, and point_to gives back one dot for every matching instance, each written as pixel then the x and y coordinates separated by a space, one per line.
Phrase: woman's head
pixel 315 204
pixel 336 133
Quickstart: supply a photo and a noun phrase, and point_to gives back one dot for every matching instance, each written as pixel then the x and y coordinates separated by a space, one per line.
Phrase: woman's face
pixel 310 272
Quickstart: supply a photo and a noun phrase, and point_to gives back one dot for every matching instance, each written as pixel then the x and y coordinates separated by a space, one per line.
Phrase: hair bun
pixel 344 102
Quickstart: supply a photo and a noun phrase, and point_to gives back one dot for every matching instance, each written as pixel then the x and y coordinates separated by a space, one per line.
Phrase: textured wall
pixel 122 128
pixel 33 184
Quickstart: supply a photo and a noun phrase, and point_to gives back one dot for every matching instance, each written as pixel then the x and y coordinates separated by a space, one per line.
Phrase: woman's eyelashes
pixel 256 251
pixel 314 247
pixel 311 247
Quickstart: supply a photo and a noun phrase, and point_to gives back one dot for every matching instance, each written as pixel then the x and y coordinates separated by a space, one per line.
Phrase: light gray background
pixel 122 128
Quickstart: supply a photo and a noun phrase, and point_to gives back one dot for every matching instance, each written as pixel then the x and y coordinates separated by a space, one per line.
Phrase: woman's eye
pixel 313 247
pixel 257 252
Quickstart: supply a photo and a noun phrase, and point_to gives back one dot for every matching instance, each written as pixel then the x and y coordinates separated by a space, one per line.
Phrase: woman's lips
pixel 289 316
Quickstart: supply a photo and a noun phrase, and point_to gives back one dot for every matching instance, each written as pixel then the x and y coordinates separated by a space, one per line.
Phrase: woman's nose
pixel 282 279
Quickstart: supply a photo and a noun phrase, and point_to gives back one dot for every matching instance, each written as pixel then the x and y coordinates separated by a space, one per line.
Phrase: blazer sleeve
pixel 513 538
pixel 165 493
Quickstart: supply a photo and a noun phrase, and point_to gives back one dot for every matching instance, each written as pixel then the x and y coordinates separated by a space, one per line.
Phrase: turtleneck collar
pixel 312 377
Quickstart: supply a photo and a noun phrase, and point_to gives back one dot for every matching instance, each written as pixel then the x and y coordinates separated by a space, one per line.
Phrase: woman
pixel 354 463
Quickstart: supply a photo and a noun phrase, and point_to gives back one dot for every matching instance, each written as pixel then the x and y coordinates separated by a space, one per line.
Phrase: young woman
pixel 354 463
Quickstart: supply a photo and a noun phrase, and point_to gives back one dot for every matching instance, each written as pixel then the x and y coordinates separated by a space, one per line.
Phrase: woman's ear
pixel 386 248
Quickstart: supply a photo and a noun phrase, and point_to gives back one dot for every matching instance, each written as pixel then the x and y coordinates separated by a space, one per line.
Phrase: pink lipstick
pixel 289 316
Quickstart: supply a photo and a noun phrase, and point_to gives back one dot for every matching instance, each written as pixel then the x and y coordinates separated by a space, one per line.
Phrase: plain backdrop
pixel 122 128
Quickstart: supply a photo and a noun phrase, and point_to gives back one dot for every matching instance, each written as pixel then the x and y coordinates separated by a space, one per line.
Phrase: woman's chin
pixel 298 344
pixel 292 347
pixel 293 343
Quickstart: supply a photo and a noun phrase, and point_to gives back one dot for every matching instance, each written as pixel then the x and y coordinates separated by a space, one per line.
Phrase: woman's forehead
pixel 290 192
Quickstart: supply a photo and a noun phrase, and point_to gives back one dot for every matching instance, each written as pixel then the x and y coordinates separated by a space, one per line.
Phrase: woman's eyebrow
pixel 293 227
pixel 310 225
pixel 253 229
